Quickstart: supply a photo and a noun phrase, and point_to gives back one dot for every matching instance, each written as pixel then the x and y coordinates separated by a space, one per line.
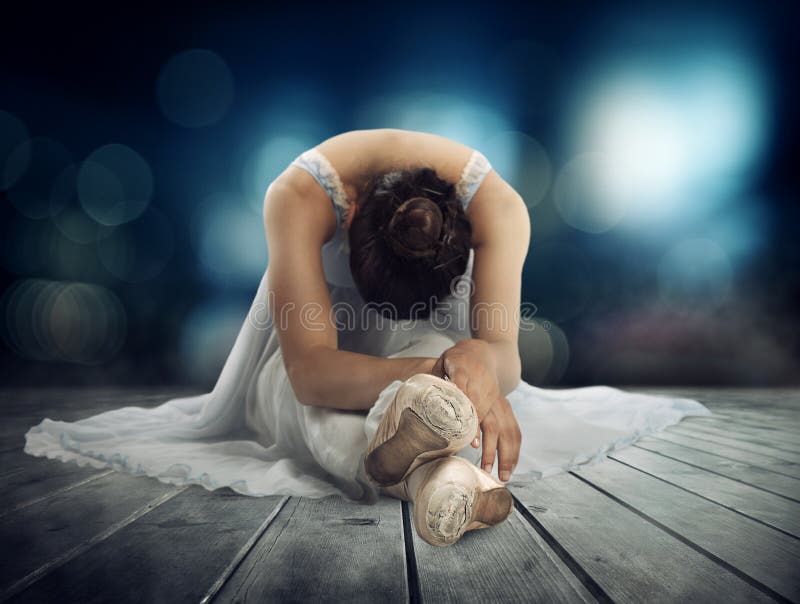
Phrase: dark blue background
pixel 86 76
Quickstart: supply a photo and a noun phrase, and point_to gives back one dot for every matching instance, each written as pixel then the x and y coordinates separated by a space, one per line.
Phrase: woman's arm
pixel 501 236
pixel 487 366
pixel 298 219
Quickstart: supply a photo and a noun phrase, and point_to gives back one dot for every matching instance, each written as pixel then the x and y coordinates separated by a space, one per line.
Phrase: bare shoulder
pixel 295 203
pixel 497 212
pixel 358 152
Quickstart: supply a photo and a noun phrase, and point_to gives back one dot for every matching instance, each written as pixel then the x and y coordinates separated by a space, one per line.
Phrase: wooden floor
pixel 708 511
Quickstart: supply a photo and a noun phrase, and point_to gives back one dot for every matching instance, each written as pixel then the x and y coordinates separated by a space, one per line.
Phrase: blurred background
pixel 654 146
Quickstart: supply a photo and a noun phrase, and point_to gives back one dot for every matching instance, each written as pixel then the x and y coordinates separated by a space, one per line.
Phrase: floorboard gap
pixel 242 553
pixel 729 458
pixel 727 507
pixel 699 549
pixel 64 489
pixel 710 471
pixel 45 569
pixel 414 589
pixel 571 563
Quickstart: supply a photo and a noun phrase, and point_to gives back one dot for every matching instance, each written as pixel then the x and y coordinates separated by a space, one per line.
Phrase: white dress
pixel 252 435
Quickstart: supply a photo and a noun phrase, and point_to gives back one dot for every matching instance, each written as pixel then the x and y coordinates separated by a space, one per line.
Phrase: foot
pixel 428 418
pixel 452 496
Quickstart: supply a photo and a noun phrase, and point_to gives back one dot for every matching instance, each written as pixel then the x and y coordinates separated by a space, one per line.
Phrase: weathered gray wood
pixel 756 436
pixel 767 556
pixel 506 563
pixel 25 478
pixel 40 533
pixel 749 474
pixel 778 512
pixel 173 554
pixel 630 558
pixel 25 408
pixel 327 549
pixel 736 443
pixel 772 430
pixel 763 461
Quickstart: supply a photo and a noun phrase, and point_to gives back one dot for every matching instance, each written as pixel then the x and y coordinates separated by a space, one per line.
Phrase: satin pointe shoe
pixel 452 496
pixel 428 418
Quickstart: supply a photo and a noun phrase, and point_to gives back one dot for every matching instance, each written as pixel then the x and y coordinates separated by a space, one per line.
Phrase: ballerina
pixel 380 353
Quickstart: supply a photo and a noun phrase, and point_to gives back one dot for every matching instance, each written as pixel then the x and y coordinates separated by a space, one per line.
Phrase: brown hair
pixel 409 240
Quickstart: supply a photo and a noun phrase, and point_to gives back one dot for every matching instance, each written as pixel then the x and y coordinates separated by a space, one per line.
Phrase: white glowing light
pixel 643 139
pixel 679 136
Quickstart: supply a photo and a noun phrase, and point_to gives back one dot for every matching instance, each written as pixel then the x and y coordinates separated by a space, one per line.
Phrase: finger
pixel 476 442
pixel 508 454
pixel 489 446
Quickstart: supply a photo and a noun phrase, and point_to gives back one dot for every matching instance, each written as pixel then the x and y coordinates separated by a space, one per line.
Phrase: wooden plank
pixel 763 461
pixel 771 439
pixel 173 554
pixel 506 563
pixel 23 410
pixel 766 557
pixel 26 478
pixel 630 558
pixel 748 474
pixel 769 428
pixel 736 443
pixel 778 512
pixel 327 549
pixel 43 532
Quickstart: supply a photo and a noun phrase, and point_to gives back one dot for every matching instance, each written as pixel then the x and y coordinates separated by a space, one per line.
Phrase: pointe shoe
pixel 428 418
pixel 452 496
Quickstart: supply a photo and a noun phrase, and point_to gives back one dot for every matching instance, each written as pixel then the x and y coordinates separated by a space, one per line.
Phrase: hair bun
pixel 415 228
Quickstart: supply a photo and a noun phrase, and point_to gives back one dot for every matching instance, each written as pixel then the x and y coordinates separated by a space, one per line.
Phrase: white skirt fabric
pixel 252 435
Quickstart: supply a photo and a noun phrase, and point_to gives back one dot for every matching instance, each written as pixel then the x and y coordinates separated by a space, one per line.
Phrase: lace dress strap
pixel 472 176
pixel 314 162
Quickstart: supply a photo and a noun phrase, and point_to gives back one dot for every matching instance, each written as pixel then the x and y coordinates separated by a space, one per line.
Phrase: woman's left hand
pixel 501 436
pixel 470 365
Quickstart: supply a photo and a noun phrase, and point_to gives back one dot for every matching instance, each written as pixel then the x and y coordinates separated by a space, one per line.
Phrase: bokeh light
pixel 138 250
pixel 451 116
pixel 695 274
pixel 62 321
pixel 582 197
pixel 230 241
pixel 268 162
pixel 195 88
pixel 33 167
pixel 12 134
pixel 66 210
pixel 114 184
pixel 680 131
pixel 522 161
pixel 544 351
pixel 207 337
